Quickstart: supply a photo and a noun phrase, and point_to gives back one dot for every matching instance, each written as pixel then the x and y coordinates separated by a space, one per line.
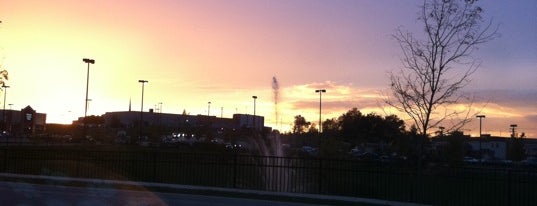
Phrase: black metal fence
pixel 439 185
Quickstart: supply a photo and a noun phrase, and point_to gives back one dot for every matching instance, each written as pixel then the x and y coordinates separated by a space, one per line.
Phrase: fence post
pixel 5 160
pixel 320 175
pixel 418 180
pixel 77 160
pixel 509 189
pixel 234 170
pixel 154 165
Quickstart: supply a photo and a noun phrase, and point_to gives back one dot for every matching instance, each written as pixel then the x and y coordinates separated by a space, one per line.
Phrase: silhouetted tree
pixel 393 127
pixel 436 67
pixel 3 77
pixel 406 144
pixel 456 148
pixel 300 125
pixel 349 124
pixel 313 129
pixel 357 128
pixel 330 128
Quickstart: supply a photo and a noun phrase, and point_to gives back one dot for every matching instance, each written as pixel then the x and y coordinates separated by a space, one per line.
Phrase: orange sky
pixel 193 52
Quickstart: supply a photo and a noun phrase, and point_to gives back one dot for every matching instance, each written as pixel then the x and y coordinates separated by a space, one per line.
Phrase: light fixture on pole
pixel 320 91
pixel 142 108
pixel 254 126
pixel 4 111
pixel 208 108
pixel 480 135
pixel 87 61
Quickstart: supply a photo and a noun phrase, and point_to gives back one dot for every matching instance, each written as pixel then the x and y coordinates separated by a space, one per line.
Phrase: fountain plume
pixel 276 93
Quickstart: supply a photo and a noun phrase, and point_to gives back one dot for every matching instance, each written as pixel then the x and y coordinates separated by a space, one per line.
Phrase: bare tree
pixel 437 66
pixel 3 75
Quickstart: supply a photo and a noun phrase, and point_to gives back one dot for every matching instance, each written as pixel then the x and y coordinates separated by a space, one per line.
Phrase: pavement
pixel 68 191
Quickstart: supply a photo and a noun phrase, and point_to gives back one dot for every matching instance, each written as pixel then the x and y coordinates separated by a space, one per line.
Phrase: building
pixel 128 119
pixel 530 145
pixel 491 147
pixel 25 122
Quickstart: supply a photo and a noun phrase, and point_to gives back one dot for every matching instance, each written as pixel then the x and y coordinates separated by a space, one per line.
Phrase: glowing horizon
pixel 193 52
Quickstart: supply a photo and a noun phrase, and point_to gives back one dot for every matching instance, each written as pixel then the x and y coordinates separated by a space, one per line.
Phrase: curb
pixel 200 190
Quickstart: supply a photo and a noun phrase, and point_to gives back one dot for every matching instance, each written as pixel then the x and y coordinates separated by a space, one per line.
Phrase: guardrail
pixel 440 185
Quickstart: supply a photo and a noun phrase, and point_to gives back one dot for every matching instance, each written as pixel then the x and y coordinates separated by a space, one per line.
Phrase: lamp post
pixel 142 108
pixel 208 108
pixel 254 126
pixel 320 91
pixel 87 61
pixel 10 118
pixel 4 111
pixel 480 134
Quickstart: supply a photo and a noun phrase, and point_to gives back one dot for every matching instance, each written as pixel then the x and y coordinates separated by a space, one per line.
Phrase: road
pixel 12 193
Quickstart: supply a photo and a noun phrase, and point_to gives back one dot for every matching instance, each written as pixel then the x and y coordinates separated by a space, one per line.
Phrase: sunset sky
pixel 226 51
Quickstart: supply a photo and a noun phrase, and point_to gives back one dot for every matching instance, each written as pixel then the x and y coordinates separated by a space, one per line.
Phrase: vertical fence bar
pixel 5 161
pixel 320 175
pixel 154 159
pixel 286 174
pixel 234 170
pixel 509 186
pixel 77 160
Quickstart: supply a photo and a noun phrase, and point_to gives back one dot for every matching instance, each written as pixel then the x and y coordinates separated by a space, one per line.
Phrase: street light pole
pixel 320 91
pixel 4 126
pixel 480 135
pixel 208 108
pixel 142 108
pixel 254 126
pixel 87 61
pixel 4 112
pixel 9 122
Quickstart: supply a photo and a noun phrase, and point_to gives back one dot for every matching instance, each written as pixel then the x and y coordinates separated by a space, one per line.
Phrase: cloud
pixel 511 97
pixel 337 97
